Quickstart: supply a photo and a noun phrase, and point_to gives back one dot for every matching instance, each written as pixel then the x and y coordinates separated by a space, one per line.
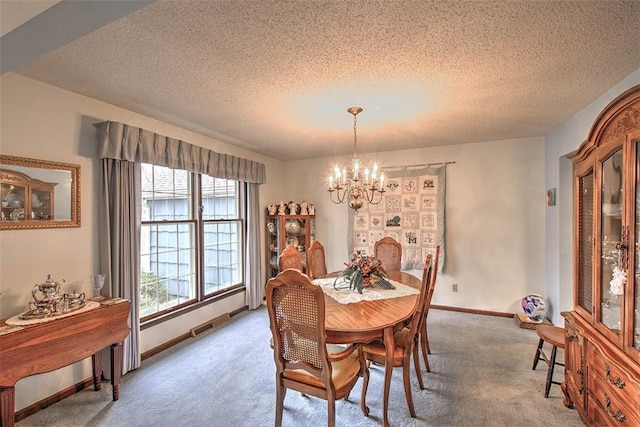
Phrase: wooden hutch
pixel 288 230
pixel 602 342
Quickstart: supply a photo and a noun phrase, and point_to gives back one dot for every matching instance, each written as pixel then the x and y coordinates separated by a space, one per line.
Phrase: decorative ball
pixel 292 226
pixel 535 307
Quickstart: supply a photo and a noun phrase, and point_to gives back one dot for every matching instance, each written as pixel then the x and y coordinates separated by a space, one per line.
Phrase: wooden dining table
pixel 365 321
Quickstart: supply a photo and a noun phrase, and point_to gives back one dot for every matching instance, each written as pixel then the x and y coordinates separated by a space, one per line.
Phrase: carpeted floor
pixel 481 376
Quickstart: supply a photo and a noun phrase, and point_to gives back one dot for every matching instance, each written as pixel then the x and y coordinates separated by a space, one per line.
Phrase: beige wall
pixel 44 122
pixel 494 218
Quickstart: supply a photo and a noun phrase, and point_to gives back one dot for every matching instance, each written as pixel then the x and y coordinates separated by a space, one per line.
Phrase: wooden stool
pixel 554 336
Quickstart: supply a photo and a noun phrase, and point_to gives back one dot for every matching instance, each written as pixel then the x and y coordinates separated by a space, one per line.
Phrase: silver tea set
pixel 48 300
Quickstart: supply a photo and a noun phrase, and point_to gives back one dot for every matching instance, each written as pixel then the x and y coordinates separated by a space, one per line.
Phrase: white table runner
pixel 347 296
pixel 17 321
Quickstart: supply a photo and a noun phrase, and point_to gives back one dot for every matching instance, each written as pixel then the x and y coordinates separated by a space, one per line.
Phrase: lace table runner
pixel 347 296
pixel 7 329
pixel 17 321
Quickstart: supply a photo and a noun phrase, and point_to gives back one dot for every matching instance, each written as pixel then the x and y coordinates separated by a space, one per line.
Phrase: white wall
pixel 494 218
pixel 563 140
pixel 44 122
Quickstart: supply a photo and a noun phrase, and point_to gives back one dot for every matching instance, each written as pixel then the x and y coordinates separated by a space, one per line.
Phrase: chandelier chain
pixel 355 137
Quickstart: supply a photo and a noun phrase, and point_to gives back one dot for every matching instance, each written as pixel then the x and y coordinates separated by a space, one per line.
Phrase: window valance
pixel 123 142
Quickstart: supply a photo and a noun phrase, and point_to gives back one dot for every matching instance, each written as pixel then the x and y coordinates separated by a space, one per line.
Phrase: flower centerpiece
pixel 363 271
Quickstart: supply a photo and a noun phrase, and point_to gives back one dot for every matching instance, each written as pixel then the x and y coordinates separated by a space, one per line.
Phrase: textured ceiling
pixel 277 77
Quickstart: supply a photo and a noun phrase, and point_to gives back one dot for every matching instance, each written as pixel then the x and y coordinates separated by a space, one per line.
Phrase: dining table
pixel 362 320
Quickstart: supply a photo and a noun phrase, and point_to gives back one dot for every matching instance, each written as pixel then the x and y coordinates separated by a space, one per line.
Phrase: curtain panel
pixel 253 271
pixel 123 142
pixel 119 245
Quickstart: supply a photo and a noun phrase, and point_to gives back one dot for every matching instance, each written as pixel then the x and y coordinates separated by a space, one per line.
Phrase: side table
pixel 47 346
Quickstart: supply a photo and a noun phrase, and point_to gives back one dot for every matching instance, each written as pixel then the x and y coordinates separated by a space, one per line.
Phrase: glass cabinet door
pixel 273 245
pixel 585 242
pixel 312 229
pixel 13 202
pixel 41 204
pixel 612 273
pixel 296 235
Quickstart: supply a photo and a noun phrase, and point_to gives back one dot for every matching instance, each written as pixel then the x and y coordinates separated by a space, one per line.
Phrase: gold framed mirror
pixel 38 193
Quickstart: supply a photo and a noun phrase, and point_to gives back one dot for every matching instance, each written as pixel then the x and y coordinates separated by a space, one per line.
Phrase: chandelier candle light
pixel 348 185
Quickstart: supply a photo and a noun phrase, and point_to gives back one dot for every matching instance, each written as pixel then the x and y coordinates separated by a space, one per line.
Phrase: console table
pixel 44 347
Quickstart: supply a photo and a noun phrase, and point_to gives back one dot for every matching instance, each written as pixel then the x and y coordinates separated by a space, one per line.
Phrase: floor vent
pixel 209 325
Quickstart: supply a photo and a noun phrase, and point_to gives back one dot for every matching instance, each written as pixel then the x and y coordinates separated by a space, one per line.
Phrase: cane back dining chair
pixel 389 251
pixel 290 258
pixel 424 335
pixel 303 360
pixel 406 342
pixel 316 264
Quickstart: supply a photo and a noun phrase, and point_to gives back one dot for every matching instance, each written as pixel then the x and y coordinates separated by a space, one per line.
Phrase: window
pixel 191 239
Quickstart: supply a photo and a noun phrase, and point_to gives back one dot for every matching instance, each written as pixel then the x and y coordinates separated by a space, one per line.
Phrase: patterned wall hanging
pixel 411 211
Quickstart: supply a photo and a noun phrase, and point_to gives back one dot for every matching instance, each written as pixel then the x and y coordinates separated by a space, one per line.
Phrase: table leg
pixel 116 369
pixel 96 362
pixel 389 346
pixel 7 406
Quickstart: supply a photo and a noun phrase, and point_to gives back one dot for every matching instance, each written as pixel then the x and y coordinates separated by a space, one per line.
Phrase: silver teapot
pixel 47 298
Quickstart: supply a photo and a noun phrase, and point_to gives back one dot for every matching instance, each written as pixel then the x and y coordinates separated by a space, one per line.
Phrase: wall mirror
pixel 38 193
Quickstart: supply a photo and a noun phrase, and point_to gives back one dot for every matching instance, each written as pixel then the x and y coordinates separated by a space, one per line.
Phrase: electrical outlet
pixel 454 287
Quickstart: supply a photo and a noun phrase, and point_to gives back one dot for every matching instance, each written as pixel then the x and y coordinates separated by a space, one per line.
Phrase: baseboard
pixel 215 322
pixel 165 345
pixel 54 398
pixel 472 311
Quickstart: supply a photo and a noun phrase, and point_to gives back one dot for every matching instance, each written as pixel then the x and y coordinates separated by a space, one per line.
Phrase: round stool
pixel 554 336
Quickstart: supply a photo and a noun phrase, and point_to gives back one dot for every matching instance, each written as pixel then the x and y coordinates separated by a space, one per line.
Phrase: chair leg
pixel 280 393
pixel 537 357
pixel 406 374
pixel 416 364
pixel 365 384
pixel 424 343
pixel 426 336
pixel 331 420
pixel 552 364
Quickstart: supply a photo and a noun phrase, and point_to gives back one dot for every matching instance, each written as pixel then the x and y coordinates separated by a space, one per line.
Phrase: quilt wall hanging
pixel 411 211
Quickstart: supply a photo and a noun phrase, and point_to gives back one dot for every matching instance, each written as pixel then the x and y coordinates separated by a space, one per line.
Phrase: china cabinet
pixel 288 230
pixel 602 332
pixel 25 198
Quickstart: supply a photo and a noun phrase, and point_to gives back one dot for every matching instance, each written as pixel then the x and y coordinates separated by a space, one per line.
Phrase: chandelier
pixel 348 184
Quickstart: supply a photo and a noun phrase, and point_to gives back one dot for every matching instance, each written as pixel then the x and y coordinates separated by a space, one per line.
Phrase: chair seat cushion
pixel 343 372
pixel 376 351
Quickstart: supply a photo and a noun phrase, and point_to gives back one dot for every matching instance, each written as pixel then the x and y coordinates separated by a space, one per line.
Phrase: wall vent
pixel 210 325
